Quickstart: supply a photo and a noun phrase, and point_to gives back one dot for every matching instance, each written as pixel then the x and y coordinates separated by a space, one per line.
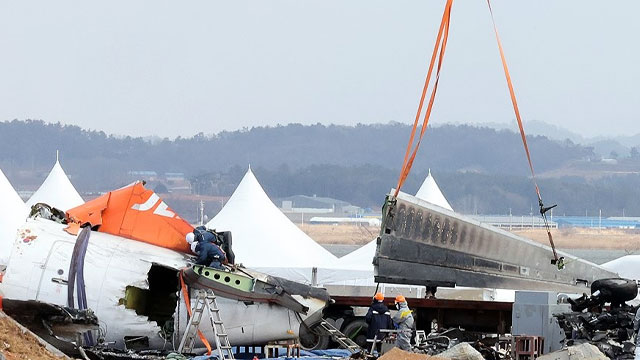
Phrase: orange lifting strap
pixel 543 210
pixel 438 52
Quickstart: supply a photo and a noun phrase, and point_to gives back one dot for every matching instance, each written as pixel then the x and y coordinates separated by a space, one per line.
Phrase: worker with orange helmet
pixel 378 318
pixel 404 322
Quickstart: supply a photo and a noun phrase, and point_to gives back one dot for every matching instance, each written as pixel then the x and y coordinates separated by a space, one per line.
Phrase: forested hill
pixel 479 169
pixel 28 145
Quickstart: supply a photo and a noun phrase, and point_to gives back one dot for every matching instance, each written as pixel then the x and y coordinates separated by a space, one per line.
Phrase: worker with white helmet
pixel 209 254
pixel 191 241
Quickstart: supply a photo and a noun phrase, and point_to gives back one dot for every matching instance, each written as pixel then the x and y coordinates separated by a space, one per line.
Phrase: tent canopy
pixel 430 192
pixel 627 266
pixel 262 235
pixel 13 213
pixel 56 191
pixel 359 259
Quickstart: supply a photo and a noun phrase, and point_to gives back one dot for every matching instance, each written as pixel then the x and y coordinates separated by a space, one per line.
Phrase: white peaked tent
pixel 13 213
pixel 358 263
pixel 430 192
pixel 56 191
pixel 627 266
pixel 360 259
pixel 264 238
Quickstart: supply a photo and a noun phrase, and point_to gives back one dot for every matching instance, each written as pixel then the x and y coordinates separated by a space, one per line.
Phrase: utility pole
pixel 201 212
pixel 600 220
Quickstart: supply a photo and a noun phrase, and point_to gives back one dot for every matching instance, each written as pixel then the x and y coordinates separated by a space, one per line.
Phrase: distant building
pixel 143 175
pixel 516 222
pixel 345 220
pixel 513 222
pixel 317 205
pixel 174 176
pixel 597 222
pixel 174 182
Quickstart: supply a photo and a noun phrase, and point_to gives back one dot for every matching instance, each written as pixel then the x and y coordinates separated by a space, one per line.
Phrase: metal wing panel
pixel 424 244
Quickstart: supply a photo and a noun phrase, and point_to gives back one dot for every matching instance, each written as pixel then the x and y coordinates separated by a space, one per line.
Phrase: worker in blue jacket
pixel 378 318
pixel 202 235
pixel 210 255
pixel 204 244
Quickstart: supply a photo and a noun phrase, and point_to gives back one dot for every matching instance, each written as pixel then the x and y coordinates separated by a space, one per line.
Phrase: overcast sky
pixel 173 68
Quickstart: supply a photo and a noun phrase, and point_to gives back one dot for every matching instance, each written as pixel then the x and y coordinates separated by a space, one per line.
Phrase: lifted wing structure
pixel 424 244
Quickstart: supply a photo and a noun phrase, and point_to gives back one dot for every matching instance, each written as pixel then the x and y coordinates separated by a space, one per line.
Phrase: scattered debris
pixel 610 331
pixel 489 347
pixel 437 342
pixel 57 325
pixel 115 354
pixel 17 342
pixel 578 352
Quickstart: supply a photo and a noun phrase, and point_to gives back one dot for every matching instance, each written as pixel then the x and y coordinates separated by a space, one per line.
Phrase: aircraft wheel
pixel 312 338
pixel 616 290
pixel 356 330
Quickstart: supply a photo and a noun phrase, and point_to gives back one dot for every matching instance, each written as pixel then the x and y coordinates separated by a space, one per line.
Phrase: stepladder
pixel 206 300
pixel 339 337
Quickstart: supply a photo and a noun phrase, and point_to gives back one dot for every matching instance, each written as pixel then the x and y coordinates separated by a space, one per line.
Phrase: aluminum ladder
pixel 207 299
pixel 339 337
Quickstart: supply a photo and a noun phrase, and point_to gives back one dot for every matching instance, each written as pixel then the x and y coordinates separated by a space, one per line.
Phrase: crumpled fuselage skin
pixel 38 266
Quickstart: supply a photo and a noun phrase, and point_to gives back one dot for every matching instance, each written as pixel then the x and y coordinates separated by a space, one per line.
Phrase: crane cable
pixel 558 261
pixel 438 52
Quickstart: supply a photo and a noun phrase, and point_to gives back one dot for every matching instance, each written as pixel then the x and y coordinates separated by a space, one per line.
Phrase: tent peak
pixel 57 191
pixel 430 192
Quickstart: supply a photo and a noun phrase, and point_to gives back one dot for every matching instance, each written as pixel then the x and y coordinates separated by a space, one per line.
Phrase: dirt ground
pixel 340 234
pixel 14 344
pixel 397 354
pixel 574 238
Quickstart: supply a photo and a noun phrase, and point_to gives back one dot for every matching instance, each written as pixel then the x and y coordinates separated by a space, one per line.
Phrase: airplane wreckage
pixel 424 244
pixel 127 263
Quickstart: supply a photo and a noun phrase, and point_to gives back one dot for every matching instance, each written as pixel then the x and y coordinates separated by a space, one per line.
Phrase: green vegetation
pixel 479 169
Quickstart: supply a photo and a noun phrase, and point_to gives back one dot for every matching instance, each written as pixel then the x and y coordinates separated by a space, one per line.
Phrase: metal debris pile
pixel 610 331
pixel 437 343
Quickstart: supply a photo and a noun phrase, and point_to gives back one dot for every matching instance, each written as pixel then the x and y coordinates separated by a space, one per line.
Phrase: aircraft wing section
pixel 424 244
pixel 135 213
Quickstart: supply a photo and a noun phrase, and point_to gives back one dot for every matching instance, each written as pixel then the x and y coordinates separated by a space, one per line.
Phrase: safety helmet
pixel 379 296
pixel 400 299
pixel 190 237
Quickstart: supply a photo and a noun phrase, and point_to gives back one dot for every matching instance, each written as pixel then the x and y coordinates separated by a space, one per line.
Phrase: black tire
pixel 312 338
pixel 356 330
pixel 615 290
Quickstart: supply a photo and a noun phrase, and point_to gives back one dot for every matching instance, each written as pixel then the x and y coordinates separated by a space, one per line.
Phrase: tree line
pixel 479 169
